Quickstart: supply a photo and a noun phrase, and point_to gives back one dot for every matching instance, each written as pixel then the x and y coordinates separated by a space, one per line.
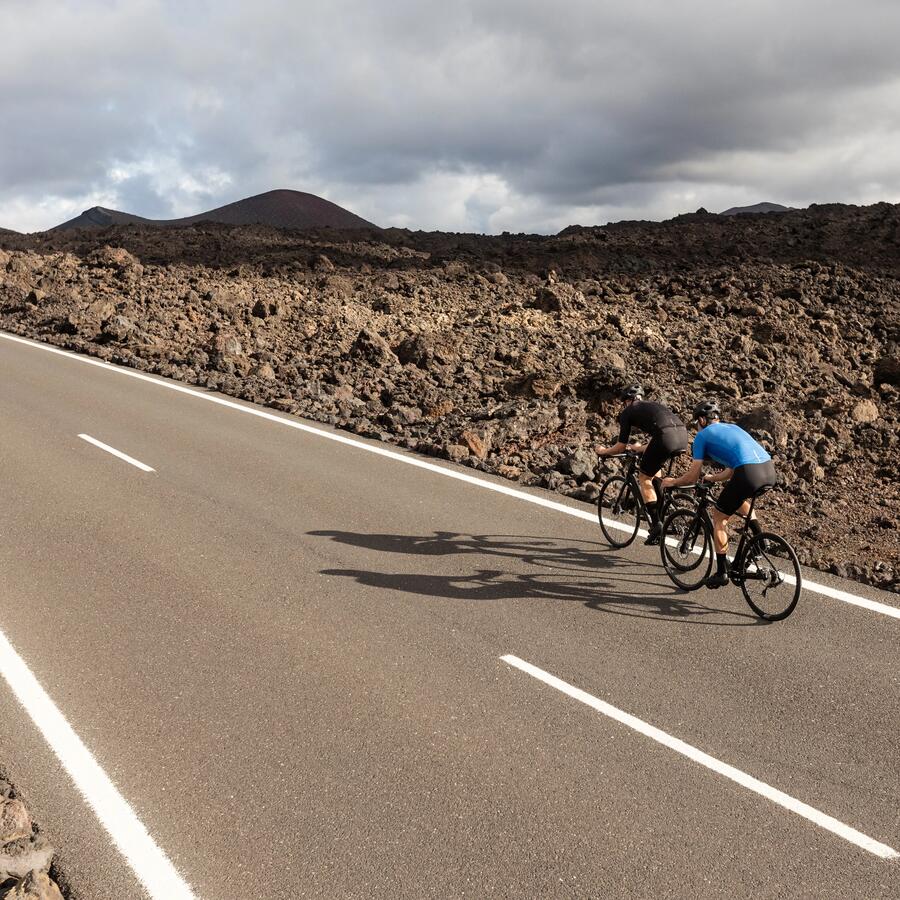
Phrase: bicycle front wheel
pixel 674 500
pixel 686 548
pixel 619 511
pixel 770 576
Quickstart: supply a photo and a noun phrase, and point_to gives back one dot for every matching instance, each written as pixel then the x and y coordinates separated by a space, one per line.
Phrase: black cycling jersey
pixel 670 442
pixel 646 416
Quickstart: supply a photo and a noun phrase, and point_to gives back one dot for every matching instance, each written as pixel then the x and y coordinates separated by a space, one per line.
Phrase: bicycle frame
pixel 763 562
pixel 736 570
pixel 631 481
pixel 664 497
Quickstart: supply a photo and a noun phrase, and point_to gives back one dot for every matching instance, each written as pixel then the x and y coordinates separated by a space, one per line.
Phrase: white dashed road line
pixel 147 860
pixel 710 762
pixel 813 586
pixel 123 456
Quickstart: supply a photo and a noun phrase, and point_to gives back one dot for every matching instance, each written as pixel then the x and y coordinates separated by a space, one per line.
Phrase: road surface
pixel 294 660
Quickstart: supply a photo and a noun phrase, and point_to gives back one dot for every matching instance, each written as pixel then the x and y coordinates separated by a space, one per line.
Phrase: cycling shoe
pixel 719 579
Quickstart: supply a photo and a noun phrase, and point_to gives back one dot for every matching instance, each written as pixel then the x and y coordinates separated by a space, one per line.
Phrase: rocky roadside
pixel 26 860
pixel 505 353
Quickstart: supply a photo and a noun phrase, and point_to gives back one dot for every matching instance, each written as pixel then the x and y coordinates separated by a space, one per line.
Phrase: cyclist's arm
pixel 724 475
pixel 638 448
pixel 618 447
pixel 689 477
pixel 622 442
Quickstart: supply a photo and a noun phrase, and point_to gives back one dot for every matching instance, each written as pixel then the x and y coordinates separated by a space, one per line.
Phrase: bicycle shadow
pixel 582 571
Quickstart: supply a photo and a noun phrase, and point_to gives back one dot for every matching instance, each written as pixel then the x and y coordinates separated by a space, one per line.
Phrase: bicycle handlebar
pixel 702 487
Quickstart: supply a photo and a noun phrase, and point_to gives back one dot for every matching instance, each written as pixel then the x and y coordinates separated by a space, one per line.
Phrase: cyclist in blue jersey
pixel 748 467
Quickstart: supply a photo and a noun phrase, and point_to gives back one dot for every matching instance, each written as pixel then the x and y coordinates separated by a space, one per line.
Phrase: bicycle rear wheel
pixel 686 548
pixel 619 511
pixel 770 576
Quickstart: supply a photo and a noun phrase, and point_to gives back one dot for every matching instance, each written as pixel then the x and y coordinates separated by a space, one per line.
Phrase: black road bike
pixel 765 565
pixel 621 507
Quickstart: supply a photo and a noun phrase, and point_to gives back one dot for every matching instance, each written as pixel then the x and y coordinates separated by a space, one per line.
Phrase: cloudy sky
pixel 461 115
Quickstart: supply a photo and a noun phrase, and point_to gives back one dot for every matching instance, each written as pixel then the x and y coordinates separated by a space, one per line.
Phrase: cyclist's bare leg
pixel 720 525
pixel 745 508
pixel 753 522
pixel 648 491
pixel 720 530
pixel 652 502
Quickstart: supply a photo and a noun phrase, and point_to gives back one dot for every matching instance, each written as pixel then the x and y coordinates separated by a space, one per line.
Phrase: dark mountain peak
pixel 280 208
pixel 101 217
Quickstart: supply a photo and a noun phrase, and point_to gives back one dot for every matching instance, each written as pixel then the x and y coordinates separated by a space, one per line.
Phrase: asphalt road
pixel 285 652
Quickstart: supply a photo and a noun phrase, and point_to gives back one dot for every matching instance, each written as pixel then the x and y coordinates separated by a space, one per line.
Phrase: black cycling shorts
pixel 744 483
pixel 663 446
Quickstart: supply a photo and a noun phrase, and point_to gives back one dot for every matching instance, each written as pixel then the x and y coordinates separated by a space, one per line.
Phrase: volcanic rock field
pixel 505 353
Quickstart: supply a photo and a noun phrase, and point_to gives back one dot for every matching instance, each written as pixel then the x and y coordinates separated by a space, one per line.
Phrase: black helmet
pixel 707 409
pixel 632 392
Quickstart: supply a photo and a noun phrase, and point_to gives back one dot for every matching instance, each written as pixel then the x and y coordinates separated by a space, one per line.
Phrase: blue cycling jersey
pixel 728 445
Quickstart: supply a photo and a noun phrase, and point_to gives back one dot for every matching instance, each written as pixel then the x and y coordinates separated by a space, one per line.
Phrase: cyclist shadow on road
pixel 541 568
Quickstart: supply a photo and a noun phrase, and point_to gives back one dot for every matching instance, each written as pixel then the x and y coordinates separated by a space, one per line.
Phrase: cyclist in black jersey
pixel 668 438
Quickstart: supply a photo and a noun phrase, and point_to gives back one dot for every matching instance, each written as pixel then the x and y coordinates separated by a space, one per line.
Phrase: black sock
pixel 653 512
pixel 755 527
pixel 721 564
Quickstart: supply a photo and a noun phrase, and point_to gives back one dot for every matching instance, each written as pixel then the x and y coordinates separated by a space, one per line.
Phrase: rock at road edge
pixel 34 886
pixel 581 464
pixel 20 857
pixel 15 822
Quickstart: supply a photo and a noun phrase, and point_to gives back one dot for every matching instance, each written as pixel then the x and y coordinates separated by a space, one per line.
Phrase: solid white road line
pixel 149 863
pixel 124 456
pixel 834 593
pixel 736 775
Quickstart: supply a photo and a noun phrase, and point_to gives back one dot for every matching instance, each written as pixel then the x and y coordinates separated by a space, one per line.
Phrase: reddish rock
pixel 476 443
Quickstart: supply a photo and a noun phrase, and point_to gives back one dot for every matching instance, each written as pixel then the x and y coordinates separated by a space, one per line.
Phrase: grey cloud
pixel 589 104
pixel 139 192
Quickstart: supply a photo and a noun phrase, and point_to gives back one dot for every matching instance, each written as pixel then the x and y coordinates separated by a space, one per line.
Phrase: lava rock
pixel 580 465
pixel 864 411
pixel 887 370
pixel 35 885
pixel 15 822
pixel 372 346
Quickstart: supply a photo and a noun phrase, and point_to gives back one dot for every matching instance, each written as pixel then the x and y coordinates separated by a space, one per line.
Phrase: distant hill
pixel 7 231
pixel 756 208
pixel 100 217
pixel 279 208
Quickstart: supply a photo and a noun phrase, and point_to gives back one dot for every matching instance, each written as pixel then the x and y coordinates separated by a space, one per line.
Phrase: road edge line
pixel 147 860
